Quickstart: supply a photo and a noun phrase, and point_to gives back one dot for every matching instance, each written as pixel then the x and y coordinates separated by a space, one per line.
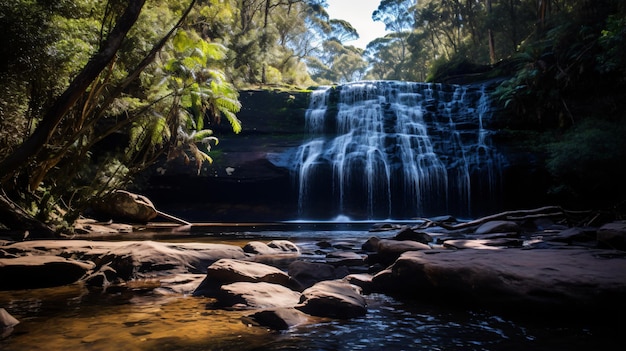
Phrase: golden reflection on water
pixel 69 318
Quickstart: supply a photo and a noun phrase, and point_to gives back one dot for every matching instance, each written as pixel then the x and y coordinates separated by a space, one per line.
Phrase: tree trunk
pixel 492 44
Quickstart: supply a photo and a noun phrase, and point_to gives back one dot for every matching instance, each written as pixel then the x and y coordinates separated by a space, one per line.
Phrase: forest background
pixel 94 92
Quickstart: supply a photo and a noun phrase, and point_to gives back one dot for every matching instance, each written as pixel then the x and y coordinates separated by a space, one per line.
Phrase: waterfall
pixel 395 150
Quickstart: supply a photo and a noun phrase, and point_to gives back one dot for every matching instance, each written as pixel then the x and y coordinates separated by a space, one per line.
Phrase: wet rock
pixel 389 250
pixel 498 227
pixel 383 227
pixel 133 259
pixel 278 253
pixel 184 284
pixel 334 299
pixel 343 245
pixel 307 274
pixel 256 295
pixel 7 320
pixel 483 243
pixel 277 318
pixel 274 247
pixel 613 235
pixel 143 259
pixel 258 248
pixel 362 280
pixel 371 245
pixel 344 258
pixel 32 272
pixel 324 245
pixel 284 246
pixel 226 271
pixel 573 235
pixel 412 235
pixel 571 281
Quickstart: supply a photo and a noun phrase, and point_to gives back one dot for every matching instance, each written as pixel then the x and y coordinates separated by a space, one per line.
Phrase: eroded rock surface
pixel 333 298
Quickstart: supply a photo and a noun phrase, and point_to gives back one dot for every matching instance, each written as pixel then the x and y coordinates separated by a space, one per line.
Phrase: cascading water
pixel 395 150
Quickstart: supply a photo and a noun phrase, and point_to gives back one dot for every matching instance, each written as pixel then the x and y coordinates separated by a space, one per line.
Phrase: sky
pixel 359 14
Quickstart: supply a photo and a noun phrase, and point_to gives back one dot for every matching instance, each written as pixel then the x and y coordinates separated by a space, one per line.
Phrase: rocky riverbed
pixel 533 266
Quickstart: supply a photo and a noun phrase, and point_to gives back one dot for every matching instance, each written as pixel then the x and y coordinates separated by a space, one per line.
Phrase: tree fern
pixel 203 94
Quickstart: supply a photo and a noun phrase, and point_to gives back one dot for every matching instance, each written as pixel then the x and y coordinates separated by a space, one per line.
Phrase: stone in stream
pixel 306 274
pixel 256 295
pixel 226 271
pixel 334 299
pixel 569 282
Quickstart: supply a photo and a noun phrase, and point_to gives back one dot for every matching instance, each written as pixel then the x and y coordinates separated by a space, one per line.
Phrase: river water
pixel 73 318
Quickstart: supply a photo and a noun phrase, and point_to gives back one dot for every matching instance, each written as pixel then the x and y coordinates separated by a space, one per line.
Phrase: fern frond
pixel 202 134
pixel 235 123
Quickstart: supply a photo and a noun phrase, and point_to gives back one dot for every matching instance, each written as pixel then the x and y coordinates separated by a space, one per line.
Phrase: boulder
pixel 307 274
pixel 284 246
pixel 144 259
pixel 408 233
pixel 256 295
pixel 226 271
pixel 543 282
pixel 362 280
pixel 33 272
pixel 371 245
pixel 7 320
pixel 390 250
pixel 277 318
pixel 613 235
pixel 334 299
pixel 122 205
pixel 274 247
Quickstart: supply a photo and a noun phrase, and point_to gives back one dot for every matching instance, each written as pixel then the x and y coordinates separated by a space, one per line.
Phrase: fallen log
pixel 173 218
pixel 542 212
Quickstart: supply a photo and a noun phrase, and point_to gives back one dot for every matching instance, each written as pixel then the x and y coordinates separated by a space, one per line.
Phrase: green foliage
pixel 612 58
pixel 588 161
pixel 129 116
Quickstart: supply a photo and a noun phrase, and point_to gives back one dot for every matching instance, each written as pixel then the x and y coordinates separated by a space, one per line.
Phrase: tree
pixel 397 15
pixel 59 168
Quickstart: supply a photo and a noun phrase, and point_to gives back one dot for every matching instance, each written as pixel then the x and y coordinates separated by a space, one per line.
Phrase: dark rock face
pixel 244 183
pixel 40 271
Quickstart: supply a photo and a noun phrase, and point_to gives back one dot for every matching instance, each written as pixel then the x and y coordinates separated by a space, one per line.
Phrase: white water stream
pixel 390 149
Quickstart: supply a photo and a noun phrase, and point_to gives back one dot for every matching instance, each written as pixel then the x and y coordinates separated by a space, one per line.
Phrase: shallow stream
pixel 73 318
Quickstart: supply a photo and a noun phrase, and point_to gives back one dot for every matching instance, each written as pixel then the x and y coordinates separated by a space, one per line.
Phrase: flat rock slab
pixel 571 280
pixel 257 295
pixel 227 271
pixel 45 263
pixel 29 272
